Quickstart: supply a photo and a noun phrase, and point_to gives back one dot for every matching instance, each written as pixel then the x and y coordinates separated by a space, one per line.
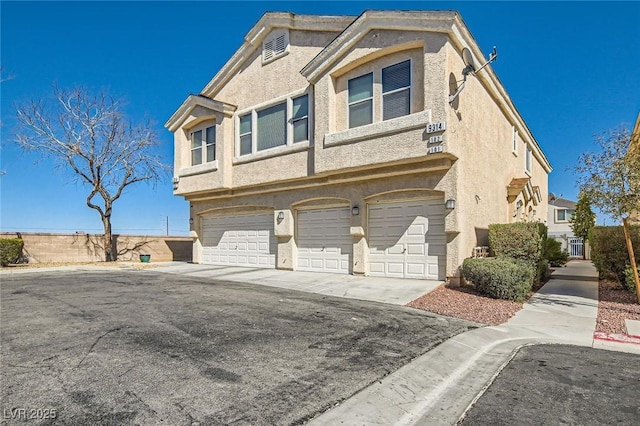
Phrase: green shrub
pixel 10 250
pixel 500 278
pixel 543 273
pixel 553 252
pixel 629 281
pixel 521 240
pixel 609 250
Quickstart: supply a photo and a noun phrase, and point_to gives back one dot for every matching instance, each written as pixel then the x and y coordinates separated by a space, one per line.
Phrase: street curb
pixel 618 338
pixel 492 379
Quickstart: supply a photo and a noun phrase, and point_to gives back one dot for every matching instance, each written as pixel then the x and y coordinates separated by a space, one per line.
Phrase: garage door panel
pixel 416 249
pixel 324 240
pixel 245 240
pixel 407 239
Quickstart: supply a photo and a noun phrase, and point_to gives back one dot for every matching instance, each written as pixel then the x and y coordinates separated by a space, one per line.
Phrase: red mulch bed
pixel 616 304
pixel 466 303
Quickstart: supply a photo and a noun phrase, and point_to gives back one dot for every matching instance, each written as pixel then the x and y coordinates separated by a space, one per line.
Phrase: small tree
pixel 583 219
pixel 611 180
pixel 89 135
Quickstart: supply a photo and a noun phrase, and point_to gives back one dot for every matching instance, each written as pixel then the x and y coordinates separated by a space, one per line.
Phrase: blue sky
pixel 570 68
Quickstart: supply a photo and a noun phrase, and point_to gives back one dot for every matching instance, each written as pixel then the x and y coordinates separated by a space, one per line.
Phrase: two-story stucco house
pixel 329 143
pixel 559 225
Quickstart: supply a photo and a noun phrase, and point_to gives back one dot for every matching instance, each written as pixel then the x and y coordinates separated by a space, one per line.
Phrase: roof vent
pixel 275 46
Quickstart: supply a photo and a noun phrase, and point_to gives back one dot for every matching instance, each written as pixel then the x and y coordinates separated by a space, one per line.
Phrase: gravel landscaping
pixel 466 303
pixel 616 305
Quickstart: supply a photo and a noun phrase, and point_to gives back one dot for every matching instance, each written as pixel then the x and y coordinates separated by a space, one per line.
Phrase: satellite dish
pixel 468 60
pixel 470 68
pixel 552 196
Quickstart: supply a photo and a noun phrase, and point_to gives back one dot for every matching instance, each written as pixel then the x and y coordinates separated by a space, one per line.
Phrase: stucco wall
pixel 45 247
pixel 480 134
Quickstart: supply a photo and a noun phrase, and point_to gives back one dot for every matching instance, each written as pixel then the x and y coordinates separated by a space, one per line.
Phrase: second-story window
pixel 280 124
pixel 527 160
pixel 300 118
pixel 245 134
pixel 272 126
pixel 396 90
pixel 361 100
pixel 203 146
pixel 564 215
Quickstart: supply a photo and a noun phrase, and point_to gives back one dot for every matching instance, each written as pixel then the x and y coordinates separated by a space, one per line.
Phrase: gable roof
pixel 267 23
pixel 424 21
pixel 562 203
pixel 193 101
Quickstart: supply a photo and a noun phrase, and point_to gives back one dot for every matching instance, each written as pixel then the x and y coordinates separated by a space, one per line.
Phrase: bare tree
pixel 89 135
pixel 611 180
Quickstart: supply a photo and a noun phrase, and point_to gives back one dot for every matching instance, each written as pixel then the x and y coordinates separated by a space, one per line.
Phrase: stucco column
pixel 283 230
pixel 360 245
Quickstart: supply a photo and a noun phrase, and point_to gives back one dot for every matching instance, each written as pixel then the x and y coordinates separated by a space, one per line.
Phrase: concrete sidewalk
pixel 386 290
pixel 438 387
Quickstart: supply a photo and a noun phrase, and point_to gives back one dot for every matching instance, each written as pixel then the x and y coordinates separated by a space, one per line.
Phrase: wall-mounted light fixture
pixel 190 221
pixel 355 210
pixel 450 204
pixel 280 216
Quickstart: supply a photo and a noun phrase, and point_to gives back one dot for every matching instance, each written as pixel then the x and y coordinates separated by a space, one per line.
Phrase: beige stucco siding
pixel 256 83
pixel 481 136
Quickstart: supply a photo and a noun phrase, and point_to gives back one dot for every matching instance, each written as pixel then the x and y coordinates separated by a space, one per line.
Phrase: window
pixel 280 124
pixel 245 134
pixel 514 142
pixel 300 119
pixel 196 148
pixel 275 46
pixel 528 160
pixel 396 90
pixel 564 215
pixel 203 149
pixel 210 143
pixel 361 100
pixel 272 126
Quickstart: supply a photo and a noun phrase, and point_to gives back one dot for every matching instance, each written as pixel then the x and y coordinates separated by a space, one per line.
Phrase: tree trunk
pixel 632 257
pixel 109 249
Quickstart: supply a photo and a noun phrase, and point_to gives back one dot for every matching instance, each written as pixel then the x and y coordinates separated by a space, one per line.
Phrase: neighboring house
pixel 328 143
pixel 559 225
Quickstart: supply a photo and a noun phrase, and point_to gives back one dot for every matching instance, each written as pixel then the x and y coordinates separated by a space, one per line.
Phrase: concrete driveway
pixel 142 347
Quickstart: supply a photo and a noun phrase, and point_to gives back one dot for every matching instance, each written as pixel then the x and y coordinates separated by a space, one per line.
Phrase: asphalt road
pixel 138 347
pixel 560 384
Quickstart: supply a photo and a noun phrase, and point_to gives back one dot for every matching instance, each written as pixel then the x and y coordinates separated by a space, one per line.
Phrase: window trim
pixel 204 144
pixel 514 140
pixel 528 160
pixel 377 105
pixel 410 88
pixel 253 111
pixel 372 98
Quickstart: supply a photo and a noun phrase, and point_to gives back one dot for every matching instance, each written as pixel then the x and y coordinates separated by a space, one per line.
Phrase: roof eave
pixel 192 101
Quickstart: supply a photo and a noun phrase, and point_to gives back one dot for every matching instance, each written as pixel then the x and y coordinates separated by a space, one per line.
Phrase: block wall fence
pixel 80 247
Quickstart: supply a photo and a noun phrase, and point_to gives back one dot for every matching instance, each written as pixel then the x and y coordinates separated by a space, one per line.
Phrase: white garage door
pixel 245 240
pixel 407 240
pixel 324 241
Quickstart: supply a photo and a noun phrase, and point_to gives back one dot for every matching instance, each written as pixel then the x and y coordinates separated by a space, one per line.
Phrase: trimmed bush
pixel 10 250
pixel 609 250
pixel 500 278
pixel 543 273
pixel 521 240
pixel 629 282
pixel 553 252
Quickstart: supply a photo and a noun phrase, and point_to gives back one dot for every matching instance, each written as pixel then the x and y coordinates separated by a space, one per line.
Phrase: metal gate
pixel 576 247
